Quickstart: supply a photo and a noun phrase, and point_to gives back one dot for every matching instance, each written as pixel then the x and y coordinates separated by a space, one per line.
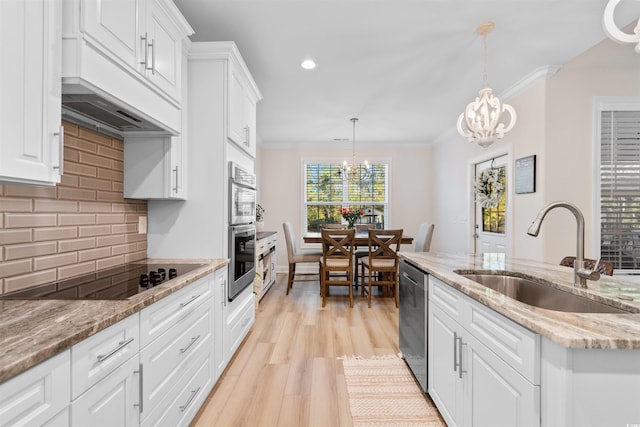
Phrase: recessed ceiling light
pixel 308 64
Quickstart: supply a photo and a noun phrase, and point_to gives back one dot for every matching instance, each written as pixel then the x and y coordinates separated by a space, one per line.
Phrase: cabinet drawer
pixel 164 359
pixel 239 325
pixel 450 300
pixel 514 344
pixel 179 408
pixel 99 355
pixel 261 246
pixel 160 316
pixel 37 395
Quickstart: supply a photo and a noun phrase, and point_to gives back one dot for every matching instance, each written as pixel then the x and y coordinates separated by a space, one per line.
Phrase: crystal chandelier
pixel 482 117
pixel 353 169
pixel 614 32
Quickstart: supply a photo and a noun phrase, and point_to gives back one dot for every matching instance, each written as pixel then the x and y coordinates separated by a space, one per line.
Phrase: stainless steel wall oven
pixel 242 230
pixel 242 252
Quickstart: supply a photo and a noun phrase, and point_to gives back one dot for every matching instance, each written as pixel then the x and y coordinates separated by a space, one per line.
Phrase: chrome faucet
pixel 580 273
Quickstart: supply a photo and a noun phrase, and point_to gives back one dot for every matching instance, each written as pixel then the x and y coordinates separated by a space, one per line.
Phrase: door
pixel 30 84
pixel 494 393
pixel 165 51
pixel 492 219
pixel 445 383
pixel 114 401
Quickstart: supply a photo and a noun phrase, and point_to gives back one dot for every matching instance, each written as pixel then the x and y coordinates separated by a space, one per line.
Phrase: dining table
pixel 361 239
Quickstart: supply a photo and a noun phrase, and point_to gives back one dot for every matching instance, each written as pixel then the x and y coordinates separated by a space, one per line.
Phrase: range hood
pixel 103 115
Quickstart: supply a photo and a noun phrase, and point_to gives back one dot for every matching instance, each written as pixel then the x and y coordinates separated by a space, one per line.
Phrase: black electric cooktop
pixel 114 283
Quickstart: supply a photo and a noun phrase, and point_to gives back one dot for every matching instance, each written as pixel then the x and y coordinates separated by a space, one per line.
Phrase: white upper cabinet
pixel 243 96
pixel 30 113
pixel 164 50
pixel 129 52
pixel 113 26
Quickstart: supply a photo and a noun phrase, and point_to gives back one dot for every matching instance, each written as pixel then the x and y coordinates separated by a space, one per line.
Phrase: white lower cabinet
pixel 238 324
pixel 177 335
pixel 153 368
pixel 220 300
pixel 469 377
pixel 106 377
pixel 39 396
pixel 114 401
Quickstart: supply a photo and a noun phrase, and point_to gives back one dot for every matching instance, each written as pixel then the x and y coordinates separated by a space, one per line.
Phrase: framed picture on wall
pixel 525 175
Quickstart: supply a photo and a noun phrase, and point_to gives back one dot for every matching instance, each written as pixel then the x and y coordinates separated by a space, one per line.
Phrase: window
pixel 494 219
pixel 620 188
pixel 327 193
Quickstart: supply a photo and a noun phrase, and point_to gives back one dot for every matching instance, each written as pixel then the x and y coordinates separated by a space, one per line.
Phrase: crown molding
pixel 541 73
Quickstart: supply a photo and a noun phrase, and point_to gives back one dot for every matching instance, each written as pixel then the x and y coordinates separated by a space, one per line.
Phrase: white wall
pixel 280 185
pixel 555 124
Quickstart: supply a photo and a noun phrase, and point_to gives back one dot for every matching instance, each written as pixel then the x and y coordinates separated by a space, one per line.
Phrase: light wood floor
pixel 286 372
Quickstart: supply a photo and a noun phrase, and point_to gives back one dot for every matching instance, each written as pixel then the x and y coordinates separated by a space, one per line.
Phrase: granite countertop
pixel 577 330
pixel 263 234
pixel 32 331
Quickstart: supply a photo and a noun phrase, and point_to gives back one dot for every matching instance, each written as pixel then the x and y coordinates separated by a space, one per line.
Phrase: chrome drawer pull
pixel 194 393
pixel 193 298
pixel 140 394
pixel 461 371
pixel 193 341
pixel 121 345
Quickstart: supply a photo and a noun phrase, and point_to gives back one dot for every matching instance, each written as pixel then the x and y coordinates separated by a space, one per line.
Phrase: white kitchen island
pixel 496 361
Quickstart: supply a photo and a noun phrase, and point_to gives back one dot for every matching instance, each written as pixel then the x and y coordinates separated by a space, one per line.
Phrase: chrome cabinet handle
pixel 153 57
pixel 455 351
pixel 461 371
pixel 224 292
pixel 194 393
pixel 140 394
pixel 146 51
pixel 60 135
pixel 193 341
pixel 121 345
pixel 193 298
pixel 246 136
pixel 175 189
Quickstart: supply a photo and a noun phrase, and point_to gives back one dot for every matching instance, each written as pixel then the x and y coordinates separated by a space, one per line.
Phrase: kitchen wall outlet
pixel 142 225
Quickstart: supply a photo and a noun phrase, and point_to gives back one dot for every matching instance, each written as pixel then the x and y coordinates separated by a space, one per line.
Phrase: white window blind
pixel 620 189
pixel 327 193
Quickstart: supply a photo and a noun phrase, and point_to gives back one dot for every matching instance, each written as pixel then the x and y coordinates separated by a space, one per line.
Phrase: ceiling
pixel 405 68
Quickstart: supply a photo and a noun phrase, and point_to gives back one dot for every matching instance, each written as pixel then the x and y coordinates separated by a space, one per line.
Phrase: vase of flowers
pixel 351 215
pixel 259 218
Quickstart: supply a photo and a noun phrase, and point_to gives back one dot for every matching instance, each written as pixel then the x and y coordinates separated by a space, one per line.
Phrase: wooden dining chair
pixel 382 262
pixel 360 252
pixel 336 264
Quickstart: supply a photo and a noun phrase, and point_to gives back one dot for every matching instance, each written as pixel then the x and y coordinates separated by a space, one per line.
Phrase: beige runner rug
pixel 382 392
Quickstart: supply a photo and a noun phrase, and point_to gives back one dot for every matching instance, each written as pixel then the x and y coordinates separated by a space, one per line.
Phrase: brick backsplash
pixel 81 225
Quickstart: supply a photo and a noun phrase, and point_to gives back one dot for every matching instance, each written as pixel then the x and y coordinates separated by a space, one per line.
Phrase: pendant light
pixel 615 33
pixel 481 120
pixel 353 169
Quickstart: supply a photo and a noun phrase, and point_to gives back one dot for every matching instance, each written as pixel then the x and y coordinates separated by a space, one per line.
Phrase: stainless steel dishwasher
pixel 413 320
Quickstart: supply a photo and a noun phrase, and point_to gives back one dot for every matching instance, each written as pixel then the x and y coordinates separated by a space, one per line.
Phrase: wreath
pixel 489 187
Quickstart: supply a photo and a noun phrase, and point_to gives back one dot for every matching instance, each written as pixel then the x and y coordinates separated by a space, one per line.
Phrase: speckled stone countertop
pixel 32 331
pixel 577 330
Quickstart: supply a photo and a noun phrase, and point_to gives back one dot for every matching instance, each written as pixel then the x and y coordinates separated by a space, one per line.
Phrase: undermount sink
pixel 535 292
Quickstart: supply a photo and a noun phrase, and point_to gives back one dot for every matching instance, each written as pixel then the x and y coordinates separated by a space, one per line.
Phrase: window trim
pixel 600 104
pixel 339 160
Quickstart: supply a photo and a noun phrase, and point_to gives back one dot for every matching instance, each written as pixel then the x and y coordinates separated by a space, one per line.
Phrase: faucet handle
pixel 588 273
